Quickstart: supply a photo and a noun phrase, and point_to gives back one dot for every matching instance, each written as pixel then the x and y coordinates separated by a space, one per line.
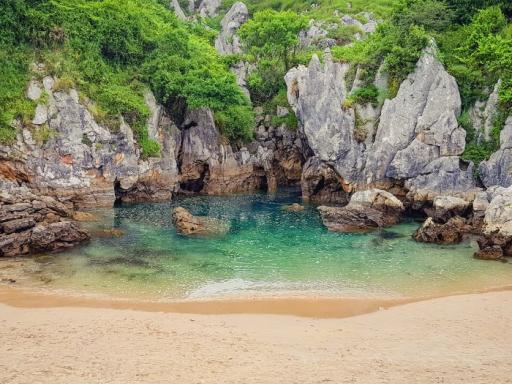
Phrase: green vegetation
pixel 111 51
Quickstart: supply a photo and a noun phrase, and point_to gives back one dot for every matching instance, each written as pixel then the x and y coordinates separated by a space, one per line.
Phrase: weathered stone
pixel 295 207
pixel 56 237
pixel 498 169
pixel 446 207
pixel 34 90
pixel 187 224
pixel 482 114
pixel 450 232
pixel 321 184
pixel 228 43
pixel 41 115
pixel 209 8
pixel 84 217
pixel 175 4
pixel 489 253
pixel 18 225
pixel 367 210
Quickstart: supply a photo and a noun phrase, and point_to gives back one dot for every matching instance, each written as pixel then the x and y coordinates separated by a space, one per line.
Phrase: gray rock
pixel 209 8
pixel 328 128
pixel 498 216
pixel 425 109
pixel 41 115
pixel 445 175
pixel 498 169
pixel 228 43
pixel 482 114
pixel 175 4
pixel 367 210
pixel 34 90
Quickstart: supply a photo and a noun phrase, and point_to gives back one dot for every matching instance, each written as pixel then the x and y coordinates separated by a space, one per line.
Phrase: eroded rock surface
pixel 450 232
pixel 187 224
pixel 498 169
pixel 417 141
pixel 367 210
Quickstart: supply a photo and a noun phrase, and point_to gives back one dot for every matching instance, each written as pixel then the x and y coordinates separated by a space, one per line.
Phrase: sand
pixel 460 339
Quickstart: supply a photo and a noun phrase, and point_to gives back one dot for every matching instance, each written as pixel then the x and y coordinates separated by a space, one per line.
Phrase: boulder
pixel 367 210
pixel 56 237
pixel 187 224
pixel 489 253
pixel 450 232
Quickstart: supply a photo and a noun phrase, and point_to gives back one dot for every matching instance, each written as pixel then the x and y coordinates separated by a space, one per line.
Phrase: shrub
pixel 236 123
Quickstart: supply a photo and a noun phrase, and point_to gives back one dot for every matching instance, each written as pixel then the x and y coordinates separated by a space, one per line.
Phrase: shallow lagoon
pixel 267 252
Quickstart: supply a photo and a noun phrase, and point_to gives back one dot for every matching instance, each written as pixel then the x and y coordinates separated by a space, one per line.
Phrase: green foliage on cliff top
pixel 111 50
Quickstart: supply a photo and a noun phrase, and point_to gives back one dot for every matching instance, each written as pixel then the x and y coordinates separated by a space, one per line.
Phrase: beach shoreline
pixel 456 339
pixel 302 305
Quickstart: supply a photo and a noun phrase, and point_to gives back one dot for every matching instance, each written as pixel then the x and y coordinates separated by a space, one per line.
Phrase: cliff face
pixel 417 141
pixel 83 163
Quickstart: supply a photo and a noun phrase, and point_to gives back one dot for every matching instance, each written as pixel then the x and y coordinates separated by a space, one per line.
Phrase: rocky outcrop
pixel 228 43
pixel 209 8
pixel 367 210
pixel 175 5
pixel 450 232
pixel 482 114
pixel 295 207
pixel 321 184
pixel 209 166
pixel 417 142
pixel 446 207
pixel 31 223
pixel 81 161
pixel 496 241
pixel 187 224
pixel 498 169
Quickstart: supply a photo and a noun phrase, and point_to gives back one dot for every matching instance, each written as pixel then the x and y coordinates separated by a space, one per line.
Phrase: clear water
pixel 268 251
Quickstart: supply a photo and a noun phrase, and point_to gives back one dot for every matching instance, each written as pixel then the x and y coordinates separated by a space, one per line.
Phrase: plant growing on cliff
pixel 273 34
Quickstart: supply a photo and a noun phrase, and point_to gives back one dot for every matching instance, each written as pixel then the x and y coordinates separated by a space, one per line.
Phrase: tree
pixel 273 34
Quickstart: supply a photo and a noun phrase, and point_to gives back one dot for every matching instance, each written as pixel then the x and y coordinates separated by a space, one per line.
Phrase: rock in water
pixel 451 232
pixel 188 224
pixel 295 207
pixel 367 210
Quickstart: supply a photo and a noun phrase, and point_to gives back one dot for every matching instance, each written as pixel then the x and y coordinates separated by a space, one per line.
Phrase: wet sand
pixel 458 339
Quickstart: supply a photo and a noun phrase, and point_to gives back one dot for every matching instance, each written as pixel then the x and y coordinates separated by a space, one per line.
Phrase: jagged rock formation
pixel 496 241
pixel 209 8
pixel 321 184
pixel 498 169
pixel 482 114
pixel 175 5
pixel 367 210
pixel 228 43
pixel 85 163
pixel 417 142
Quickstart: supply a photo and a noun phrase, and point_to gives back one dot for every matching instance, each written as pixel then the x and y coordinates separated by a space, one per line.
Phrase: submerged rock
pixel 367 210
pixel 295 207
pixel 187 224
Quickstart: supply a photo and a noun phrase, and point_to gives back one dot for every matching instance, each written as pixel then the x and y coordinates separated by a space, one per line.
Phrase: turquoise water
pixel 267 252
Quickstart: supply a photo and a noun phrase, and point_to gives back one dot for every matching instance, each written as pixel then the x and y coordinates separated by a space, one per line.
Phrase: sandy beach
pixel 458 339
